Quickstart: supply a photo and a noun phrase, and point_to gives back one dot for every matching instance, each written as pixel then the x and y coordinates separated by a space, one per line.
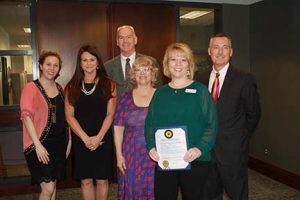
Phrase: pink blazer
pixel 34 105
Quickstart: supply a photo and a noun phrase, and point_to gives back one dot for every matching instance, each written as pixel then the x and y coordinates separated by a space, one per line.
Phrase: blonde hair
pixel 186 51
pixel 144 61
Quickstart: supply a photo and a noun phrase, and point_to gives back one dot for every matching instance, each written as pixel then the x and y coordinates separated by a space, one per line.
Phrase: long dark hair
pixel 106 85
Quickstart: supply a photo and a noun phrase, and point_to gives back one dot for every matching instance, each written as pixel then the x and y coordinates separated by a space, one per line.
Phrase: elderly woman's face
pixel 143 75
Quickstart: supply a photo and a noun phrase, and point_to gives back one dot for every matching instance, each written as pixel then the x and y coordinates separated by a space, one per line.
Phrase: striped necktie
pixel 216 88
pixel 127 68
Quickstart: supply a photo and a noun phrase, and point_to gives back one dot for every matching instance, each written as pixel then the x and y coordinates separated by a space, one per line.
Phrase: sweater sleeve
pixel 27 101
pixel 210 123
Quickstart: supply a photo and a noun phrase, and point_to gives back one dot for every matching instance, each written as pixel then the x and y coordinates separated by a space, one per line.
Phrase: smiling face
pixel 50 68
pixel 179 61
pixel 178 65
pixel 143 75
pixel 220 52
pixel 143 72
pixel 126 40
pixel 89 63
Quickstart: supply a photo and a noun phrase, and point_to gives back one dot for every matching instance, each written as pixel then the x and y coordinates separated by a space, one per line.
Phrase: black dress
pixel 90 112
pixel 55 143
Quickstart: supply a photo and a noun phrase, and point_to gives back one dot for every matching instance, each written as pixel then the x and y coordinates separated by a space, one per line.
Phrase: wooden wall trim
pixel 10 118
pixel 275 172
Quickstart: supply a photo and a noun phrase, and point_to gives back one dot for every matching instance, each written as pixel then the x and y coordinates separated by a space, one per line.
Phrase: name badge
pixel 190 90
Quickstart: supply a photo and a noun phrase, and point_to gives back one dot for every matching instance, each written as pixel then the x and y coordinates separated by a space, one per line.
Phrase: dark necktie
pixel 216 88
pixel 127 68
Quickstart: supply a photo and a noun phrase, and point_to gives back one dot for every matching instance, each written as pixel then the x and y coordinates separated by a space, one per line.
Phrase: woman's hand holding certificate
pixel 192 154
pixel 171 146
pixel 154 155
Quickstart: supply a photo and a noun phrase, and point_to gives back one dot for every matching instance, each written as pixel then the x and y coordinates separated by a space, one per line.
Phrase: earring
pixel 188 73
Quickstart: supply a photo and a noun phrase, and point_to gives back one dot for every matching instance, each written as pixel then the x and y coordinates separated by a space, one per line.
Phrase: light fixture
pixel 23 46
pixel 194 14
pixel 27 30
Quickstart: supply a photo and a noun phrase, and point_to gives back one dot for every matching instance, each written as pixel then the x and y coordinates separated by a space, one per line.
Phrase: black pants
pixel 233 179
pixel 191 182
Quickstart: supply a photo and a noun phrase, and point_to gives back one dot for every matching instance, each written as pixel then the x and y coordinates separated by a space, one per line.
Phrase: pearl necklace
pixel 91 91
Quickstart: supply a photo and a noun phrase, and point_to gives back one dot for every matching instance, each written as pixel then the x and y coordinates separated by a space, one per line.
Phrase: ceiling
pixel 202 21
pixel 240 2
pixel 14 16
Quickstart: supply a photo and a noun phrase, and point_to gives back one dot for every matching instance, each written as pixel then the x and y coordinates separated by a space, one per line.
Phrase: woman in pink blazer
pixel 45 132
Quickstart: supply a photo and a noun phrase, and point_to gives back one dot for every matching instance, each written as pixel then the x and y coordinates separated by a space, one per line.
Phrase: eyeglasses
pixel 144 70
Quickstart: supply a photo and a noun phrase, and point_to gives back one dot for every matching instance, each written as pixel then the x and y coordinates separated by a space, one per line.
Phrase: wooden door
pixel 64 26
pixel 155 26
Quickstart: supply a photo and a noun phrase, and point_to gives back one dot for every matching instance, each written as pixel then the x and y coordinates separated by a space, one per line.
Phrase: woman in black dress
pixel 90 105
pixel 45 135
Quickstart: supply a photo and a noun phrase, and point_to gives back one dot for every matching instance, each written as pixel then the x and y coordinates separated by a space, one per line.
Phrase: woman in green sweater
pixel 187 105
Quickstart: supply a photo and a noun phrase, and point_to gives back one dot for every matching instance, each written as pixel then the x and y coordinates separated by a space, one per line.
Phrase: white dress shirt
pixel 123 62
pixel 212 77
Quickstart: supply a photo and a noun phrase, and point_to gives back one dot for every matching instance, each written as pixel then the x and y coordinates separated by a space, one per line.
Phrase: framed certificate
pixel 171 145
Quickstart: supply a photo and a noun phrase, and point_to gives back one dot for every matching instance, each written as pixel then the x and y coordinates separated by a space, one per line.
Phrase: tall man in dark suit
pixel 238 107
pixel 116 68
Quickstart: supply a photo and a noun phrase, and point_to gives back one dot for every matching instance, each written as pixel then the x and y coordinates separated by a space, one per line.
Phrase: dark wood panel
pixel 275 172
pixel 3 171
pixel 154 24
pixel 10 118
pixel 19 189
pixel 64 26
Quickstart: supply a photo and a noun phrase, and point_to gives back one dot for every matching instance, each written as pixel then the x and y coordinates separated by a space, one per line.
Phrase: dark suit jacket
pixel 238 113
pixel 114 71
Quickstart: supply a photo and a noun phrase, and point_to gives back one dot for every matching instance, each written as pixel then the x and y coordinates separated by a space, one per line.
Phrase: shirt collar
pixel 132 57
pixel 223 71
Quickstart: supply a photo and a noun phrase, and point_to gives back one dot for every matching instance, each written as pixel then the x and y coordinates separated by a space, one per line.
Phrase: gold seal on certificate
pixel 168 134
pixel 171 145
pixel 165 164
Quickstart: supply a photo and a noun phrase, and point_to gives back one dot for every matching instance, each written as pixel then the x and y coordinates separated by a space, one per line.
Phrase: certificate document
pixel 171 145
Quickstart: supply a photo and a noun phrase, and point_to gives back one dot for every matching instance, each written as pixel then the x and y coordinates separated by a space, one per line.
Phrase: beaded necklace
pixel 91 91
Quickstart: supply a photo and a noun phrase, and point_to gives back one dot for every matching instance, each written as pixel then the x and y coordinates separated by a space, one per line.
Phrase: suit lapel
pixel 226 85
pixel 119 70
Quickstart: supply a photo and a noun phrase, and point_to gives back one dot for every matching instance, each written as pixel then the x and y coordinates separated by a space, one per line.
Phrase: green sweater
pixel 192 107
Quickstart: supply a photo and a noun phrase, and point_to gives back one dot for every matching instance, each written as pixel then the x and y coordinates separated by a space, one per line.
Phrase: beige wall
pixel 266 44
pixel 4 39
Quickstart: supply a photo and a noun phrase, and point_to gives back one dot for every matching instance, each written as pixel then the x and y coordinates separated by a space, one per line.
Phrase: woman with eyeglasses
pixel 136 169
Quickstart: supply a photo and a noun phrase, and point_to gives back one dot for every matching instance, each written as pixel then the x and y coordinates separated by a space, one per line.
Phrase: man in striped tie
pixel 237 101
